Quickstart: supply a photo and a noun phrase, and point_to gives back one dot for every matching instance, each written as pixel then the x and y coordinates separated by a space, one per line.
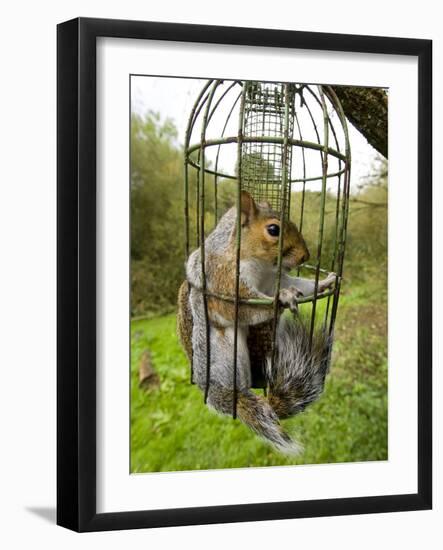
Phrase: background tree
pixel 156 214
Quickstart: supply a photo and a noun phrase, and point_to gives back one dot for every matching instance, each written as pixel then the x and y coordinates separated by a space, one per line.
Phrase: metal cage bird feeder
pixel 291 149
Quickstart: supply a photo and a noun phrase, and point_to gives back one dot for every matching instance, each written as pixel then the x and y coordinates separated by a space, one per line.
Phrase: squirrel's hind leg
pixel 221 364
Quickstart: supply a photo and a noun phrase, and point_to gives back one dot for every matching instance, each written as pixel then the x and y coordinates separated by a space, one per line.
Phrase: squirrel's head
pixel 260 235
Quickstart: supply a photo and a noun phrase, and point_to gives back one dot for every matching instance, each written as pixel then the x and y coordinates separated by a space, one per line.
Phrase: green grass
pixel 171 428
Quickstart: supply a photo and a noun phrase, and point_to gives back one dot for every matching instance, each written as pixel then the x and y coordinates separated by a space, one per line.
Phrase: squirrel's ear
pixel 248 208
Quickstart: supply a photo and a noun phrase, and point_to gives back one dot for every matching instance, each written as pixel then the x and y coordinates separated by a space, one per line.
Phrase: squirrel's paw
pixel 327 283
pixel 288 297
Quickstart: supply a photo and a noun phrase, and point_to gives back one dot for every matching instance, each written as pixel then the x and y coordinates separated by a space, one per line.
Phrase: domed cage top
pixel 286 144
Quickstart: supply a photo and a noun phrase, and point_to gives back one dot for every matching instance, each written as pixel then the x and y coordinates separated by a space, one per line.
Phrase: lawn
pixel 171 428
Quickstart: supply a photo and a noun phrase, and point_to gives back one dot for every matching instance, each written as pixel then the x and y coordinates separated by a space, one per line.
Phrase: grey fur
pixel 299 374
pixel 300 369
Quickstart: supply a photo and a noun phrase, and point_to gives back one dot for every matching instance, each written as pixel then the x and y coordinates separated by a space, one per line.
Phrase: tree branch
pixel 367 110
pixel 369 203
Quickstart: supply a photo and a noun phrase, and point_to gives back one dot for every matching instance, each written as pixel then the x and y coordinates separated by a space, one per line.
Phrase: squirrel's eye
pixel 273 230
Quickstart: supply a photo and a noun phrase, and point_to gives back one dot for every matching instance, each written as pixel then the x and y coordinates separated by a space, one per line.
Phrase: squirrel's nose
pixel 305 257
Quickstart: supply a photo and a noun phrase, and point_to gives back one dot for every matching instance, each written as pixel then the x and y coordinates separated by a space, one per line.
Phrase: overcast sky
pixel 174 97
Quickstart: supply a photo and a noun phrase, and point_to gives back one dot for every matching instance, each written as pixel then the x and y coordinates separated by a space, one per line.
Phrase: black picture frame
pixel 76 265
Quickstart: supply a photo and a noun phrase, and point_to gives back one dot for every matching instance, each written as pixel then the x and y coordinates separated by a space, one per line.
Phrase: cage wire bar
pixel 268 118
pixel 265 166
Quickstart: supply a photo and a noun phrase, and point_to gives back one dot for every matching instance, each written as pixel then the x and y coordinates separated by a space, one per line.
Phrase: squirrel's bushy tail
pixel 254 411
pixel 300 368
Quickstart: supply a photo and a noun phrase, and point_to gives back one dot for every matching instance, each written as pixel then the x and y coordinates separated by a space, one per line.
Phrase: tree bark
pixel 367 110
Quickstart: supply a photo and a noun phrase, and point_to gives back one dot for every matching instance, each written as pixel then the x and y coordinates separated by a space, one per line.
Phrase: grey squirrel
pixel 299 370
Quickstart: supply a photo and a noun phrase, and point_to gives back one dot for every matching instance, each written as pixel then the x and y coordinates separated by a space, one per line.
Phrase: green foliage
pixel 157 213
pixel 171 428
pixel 257 167
pixel 366 244
pixel 157 250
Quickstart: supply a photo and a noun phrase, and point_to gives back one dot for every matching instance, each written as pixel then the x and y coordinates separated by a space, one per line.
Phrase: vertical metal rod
pixel 194 113
pixel 334 246
pixel 322 209
pixel 220 99
pixel 238 245
pixel 189 128
pixel 202 238
pixel 345 213
pixel 187 242
pixel 197 197
pixel 211 114
pixel 291 100
pixel 345 205
pixel 198 106
pixel 215 197
pixel 217 157
pixel 311 116
pixel 191 122
pixel 337 106
pixel 302 204
pixel 186 209
pixel 282 223
pixel 337 214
